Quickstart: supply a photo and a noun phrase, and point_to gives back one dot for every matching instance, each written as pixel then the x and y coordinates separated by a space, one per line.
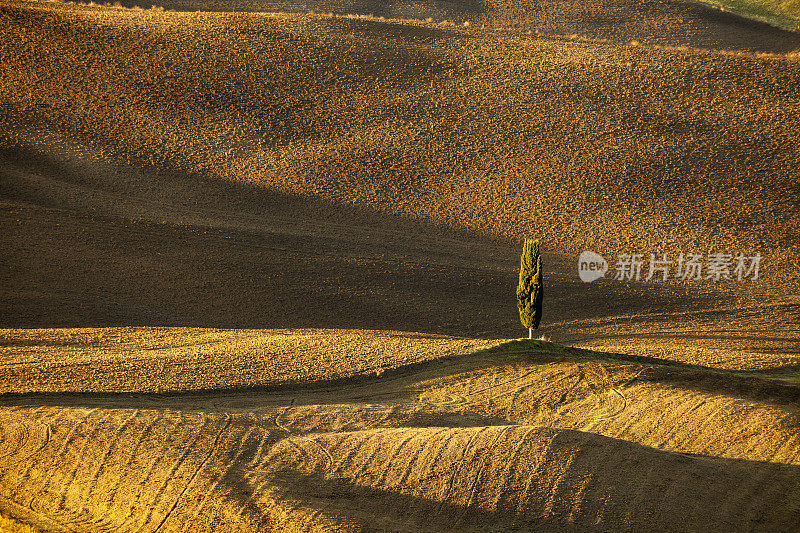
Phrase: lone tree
pixel 529 290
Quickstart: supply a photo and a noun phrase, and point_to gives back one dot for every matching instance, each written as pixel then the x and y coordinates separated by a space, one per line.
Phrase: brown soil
pixel 252 264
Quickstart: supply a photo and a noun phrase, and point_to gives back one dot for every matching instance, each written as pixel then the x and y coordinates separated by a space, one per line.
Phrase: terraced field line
pixel 42 520
pixel 455 471
pixel 560 479
pixel 219 476
pixel 352 451
pixel 188 448
pixel 71 433
pixel 148 430
pixel 89 440
pixel 365 464
pixel 394 453
pixel 511 461
pixel 112 444
pixel 480 471
pixel 415 457
pixel 445 444
pixel 140 437
pixel 196 472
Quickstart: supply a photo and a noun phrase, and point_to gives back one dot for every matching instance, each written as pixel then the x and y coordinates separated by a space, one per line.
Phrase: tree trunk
pixel 530 330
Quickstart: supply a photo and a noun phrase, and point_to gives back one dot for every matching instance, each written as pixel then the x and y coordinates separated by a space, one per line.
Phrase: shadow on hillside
pixel 98 248
pixel 749 343
pixel 648 496
pixel 391 385
pixel 698 336
pixel 755 385
pixel 750 386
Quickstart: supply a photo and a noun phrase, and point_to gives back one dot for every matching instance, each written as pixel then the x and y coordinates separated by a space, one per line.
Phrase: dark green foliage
pixel 529 290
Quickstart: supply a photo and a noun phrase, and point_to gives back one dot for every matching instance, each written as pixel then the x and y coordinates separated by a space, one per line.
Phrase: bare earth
pixel 258 271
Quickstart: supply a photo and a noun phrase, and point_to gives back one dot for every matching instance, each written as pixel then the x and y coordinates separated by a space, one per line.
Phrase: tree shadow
pixel 763 386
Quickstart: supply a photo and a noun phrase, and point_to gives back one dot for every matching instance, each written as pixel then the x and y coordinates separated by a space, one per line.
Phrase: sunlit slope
pixel 244 170
pixel 666 22
pixel 658 403
pixel 534 440
pixel 781 13
pixel 653 402
pixel 585 145
pixel 187 359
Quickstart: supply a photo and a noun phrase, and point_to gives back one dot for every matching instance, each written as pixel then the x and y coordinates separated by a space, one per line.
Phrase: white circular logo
pixel 591 266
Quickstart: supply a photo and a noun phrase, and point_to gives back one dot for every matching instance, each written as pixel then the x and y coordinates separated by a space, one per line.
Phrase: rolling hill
pixel 258 268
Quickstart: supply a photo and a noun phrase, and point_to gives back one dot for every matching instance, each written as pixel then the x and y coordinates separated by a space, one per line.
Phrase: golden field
pixel 258 268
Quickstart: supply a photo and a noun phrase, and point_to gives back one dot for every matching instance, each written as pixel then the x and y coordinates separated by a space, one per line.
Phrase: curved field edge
pixel 144 359
pixel 116 360
pixel 658 403
pixel 527 434
pixel 244 471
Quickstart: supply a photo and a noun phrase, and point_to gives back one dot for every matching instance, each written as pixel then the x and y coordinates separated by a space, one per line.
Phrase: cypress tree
pixel 529 290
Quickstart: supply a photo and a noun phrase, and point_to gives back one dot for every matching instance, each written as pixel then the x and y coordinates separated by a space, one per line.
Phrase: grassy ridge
pixel 781 13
